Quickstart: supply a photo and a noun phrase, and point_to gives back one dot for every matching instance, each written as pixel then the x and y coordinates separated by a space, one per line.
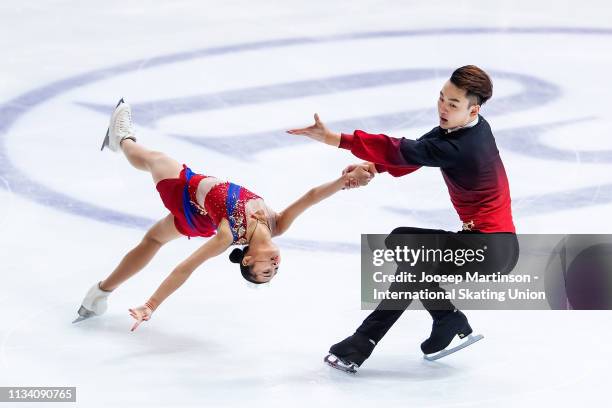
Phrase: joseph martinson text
pixel 456 293
pixel 470 277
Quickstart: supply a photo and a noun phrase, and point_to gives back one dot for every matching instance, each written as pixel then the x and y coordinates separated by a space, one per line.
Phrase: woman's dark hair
pixel 475 82
pixel 236 256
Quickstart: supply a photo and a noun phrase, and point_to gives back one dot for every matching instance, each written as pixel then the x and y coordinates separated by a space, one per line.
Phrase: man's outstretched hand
pixel 318 132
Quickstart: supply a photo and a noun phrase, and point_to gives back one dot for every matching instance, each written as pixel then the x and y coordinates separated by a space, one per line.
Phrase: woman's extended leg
pixel 161 233
pixel 160 165
pixel 120 136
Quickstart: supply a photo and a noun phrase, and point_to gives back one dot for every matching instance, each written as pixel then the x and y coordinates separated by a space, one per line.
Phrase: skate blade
pixel 84 314
pixel 470 340
pixel 81 318
pixel 338 364
pixel 105 142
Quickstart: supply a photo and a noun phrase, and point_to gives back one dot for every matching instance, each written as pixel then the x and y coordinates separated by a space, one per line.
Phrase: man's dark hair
pixel 475 82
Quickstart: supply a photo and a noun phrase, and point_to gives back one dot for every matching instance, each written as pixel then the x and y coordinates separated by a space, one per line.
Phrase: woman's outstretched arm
pixel 211 248
pixel 357 176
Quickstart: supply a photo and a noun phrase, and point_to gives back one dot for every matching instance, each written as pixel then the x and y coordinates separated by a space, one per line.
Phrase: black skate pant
pixel 502 257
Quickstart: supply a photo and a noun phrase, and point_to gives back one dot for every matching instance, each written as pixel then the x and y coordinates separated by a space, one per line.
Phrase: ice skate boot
pixel 442 333
pixel 94 303
pixel 350 353
pixel 120 127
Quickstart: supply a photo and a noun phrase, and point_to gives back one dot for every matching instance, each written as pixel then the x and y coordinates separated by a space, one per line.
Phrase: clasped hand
pixel 356 175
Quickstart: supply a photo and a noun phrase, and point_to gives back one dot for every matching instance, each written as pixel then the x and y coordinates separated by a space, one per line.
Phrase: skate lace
pixel 125 123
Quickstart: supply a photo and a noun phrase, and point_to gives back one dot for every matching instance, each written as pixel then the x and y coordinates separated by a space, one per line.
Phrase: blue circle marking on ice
pixel 524 140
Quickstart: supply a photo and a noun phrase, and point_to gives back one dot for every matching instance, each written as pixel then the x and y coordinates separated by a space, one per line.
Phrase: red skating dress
pixel 224 200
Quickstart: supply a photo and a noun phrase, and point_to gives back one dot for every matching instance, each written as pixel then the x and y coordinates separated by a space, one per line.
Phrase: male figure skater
pixel 464 149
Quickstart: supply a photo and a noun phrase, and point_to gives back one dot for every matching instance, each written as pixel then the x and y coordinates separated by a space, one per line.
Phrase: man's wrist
pixel 372 167
pixel 332 138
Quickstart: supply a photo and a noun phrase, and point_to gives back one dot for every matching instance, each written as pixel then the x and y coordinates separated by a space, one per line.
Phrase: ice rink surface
pixel 215 84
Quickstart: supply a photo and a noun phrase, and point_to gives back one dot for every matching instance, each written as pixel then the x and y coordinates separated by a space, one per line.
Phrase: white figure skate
pixel 94 303
pixel 120 127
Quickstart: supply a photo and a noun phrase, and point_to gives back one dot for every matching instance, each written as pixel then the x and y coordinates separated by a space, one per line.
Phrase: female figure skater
pixel 203 206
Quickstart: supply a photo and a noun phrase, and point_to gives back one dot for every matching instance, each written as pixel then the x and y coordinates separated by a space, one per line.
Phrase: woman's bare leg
pixel 160 165
pixel 161 233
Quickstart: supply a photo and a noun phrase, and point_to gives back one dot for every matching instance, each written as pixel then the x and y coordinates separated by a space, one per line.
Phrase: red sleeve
pixel 396 171
pixel 382 150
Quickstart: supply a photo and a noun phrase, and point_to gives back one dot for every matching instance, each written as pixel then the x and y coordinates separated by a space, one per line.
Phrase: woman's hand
pixel 140 313
pixel 318 132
